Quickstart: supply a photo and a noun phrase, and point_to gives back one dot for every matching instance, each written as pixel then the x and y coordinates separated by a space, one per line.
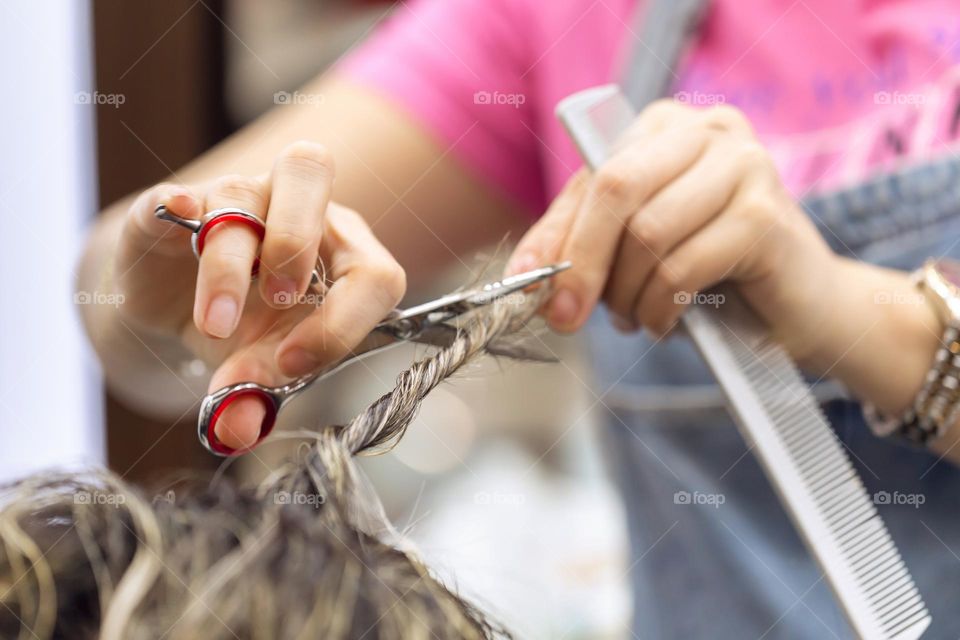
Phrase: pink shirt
pixel 835 88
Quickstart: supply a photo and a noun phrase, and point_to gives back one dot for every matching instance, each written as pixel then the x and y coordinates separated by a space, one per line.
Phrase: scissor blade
pixel 511 284
pixel 456 304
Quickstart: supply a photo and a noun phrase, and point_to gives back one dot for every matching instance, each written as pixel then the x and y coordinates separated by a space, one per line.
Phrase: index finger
pixel 367 285
pixel 615 194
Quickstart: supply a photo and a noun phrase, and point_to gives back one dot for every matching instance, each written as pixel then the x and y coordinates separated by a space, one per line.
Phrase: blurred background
pixel 499 482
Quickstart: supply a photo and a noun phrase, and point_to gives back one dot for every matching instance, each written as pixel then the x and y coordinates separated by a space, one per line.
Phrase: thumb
pixel 239 425
pixel 543 242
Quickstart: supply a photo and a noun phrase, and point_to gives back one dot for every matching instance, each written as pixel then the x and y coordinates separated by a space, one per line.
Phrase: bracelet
pixel 937 404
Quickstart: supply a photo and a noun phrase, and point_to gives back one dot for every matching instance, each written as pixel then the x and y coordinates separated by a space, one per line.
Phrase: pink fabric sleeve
pixel 458 66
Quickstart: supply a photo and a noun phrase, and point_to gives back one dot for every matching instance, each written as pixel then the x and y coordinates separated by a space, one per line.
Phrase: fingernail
pixel 281 291
pixel 297 362
pixel 564 309
pixel 222 316
pixel 521 263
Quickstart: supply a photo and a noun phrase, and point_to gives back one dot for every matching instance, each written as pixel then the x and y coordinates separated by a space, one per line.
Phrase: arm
pixel 423 206
pixel 691 199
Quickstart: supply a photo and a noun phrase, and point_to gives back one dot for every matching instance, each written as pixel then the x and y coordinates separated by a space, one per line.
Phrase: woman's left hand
pixel 690 198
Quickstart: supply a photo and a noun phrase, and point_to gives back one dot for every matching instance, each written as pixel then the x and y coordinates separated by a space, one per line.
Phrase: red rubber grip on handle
pixel 269 420
pixel 257 228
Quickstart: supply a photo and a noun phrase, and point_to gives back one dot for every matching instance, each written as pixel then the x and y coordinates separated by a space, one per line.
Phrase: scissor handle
pixel 219 216
pixel 215 404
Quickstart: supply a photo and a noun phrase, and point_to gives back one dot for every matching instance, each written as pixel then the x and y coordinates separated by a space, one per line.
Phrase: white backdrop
pixel 50 400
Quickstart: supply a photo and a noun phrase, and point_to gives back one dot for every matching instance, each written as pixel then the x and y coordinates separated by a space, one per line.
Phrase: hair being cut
pixel 307 554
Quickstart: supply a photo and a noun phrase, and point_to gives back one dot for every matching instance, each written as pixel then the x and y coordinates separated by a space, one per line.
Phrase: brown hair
pixel 307 554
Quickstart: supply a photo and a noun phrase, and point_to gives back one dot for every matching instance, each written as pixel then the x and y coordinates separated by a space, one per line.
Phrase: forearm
pixel 879 337
pixel 426 209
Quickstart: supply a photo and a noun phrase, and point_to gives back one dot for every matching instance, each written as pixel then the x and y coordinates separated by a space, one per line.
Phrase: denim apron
pixel 714 555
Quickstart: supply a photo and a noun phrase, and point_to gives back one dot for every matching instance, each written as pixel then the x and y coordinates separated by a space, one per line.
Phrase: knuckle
pixel 389 279
pixel 671 276
pixel 757 210
pixel 618 182
pixel 753 155
pixel 728 117
pixel 238 188
pixel 308 159
pixel 286 239
pixel 649 232
pixel 227 263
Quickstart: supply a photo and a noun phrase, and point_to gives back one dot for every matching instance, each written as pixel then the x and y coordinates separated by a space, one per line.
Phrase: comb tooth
pixel 825 496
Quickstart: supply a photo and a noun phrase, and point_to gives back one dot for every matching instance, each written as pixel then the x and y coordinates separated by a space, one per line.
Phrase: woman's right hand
pixel 280 328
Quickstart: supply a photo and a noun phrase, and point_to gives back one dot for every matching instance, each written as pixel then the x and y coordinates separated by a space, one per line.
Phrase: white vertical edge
pixel 51 410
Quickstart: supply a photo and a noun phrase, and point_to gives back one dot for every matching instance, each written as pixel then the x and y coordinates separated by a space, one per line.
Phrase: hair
pixel 308 553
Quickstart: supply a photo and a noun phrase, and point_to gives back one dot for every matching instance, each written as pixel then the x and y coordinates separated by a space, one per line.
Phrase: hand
pixel 280 330
pixel 689 198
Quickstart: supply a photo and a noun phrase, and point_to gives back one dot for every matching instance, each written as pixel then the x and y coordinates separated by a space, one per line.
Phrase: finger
pixel 152 234
pixel 302 178
pixel 722 251
pixel 543 242
pixel 656 117
pixel 673 214
pixel 368 284
pixel 223 279
pixel 238 427
pixel 615 193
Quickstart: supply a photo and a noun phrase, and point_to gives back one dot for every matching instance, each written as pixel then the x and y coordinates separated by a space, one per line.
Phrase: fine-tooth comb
pixel 784 426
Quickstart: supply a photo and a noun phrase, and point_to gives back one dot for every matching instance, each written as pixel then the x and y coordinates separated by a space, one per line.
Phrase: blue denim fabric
pixel 738 569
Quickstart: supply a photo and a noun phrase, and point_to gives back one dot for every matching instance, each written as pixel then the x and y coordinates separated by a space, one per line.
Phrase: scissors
pixel 201 229
pixel 429 323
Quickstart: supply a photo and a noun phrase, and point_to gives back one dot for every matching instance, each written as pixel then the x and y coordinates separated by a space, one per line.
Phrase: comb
pixel 784 426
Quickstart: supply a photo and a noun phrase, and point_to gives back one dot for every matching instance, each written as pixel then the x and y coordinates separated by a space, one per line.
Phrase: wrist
pixel 881 336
